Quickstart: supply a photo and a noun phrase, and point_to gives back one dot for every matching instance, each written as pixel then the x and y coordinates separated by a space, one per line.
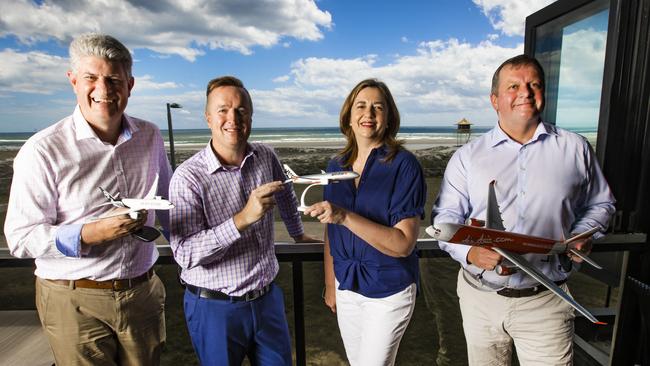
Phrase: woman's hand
pixel 327 213
pixel 329 295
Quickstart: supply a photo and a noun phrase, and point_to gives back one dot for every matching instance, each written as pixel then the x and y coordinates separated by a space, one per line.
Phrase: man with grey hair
pixel 97 296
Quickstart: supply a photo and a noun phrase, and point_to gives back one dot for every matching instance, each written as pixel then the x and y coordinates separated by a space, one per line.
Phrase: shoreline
pixel 410 143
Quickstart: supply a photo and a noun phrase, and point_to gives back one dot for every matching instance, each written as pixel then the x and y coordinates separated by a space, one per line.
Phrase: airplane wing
pixel 117 211
pixel 493 220
pixel 533 272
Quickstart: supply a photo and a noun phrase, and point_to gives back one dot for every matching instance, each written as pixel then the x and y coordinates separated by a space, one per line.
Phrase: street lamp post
pixel 171 132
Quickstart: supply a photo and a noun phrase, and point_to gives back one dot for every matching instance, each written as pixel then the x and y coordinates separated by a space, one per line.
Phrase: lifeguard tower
pixel 463 131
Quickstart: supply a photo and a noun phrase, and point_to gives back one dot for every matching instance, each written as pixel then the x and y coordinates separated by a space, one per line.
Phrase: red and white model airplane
pixel 511 245
pixel 321 179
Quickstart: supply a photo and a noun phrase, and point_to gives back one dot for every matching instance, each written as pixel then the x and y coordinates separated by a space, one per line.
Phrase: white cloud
pixel 32 72
pixel 580 81
pixel 509 16
pixel 281 79
pixel 404 39
pixel 438 84
pixel 186 28
pixel 145 82
pixel 442 82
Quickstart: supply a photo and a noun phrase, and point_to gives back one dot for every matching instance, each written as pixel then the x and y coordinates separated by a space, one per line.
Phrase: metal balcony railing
pixel 309 252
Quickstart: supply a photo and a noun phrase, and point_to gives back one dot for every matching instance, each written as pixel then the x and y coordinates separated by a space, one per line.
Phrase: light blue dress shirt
pixel 550 187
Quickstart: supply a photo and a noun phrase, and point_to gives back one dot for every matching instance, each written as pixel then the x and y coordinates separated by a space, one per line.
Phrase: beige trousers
pixel 541 327
pixel 103 327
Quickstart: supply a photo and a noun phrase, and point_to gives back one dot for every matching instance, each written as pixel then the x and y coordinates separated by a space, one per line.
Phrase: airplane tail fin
pixel 154 188
pixel 289 172
pixel 108 195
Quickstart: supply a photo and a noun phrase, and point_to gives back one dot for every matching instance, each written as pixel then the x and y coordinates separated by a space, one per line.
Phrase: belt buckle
pixel 115 284
pixel 252 295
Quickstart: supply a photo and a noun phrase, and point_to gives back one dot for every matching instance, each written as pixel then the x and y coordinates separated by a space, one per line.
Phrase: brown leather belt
pixel 525 292
pixel 115 285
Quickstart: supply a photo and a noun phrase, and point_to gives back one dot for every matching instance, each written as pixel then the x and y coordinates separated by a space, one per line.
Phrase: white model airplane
pixel 131 206
pixel 321 179
pixel 511 245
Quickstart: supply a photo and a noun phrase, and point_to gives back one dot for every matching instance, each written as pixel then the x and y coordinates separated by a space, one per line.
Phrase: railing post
pixel 299 312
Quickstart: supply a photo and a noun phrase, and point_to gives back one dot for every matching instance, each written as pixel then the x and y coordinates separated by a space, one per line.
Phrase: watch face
pixel 147 233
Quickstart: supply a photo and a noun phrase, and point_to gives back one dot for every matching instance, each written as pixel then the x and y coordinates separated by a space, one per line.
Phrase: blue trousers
pixel 223 332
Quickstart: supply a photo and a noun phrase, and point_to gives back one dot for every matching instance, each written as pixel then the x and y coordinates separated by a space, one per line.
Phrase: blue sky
pixel 298 58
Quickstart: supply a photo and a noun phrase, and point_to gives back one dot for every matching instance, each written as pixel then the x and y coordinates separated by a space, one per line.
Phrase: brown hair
pixel 516 62
pixel 228 81
pixel 349 153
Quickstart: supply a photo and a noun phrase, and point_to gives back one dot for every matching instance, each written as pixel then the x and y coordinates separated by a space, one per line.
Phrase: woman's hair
pixel 349 153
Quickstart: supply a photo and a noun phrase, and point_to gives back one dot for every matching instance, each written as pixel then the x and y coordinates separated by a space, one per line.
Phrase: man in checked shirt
pixel 97 296
pixel 222 237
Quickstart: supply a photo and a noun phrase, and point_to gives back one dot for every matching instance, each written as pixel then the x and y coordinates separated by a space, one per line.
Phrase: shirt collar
pixel 84 131
pixel 212 163
pixel 498 135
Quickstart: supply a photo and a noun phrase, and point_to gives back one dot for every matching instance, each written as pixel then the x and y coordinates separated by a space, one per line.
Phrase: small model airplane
pixel 131 206
pixel 512 245
pixel 321 179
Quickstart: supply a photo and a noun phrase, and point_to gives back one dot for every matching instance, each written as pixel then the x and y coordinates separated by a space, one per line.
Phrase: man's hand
pixel 259 203
pixel 327 213
pixel 304 238
pixel 103 230
pixel 329 295
pixel 583 246
pixel 483 258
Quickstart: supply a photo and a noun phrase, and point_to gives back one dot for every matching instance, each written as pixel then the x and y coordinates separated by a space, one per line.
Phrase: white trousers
pixel 372 328
pixel 541 327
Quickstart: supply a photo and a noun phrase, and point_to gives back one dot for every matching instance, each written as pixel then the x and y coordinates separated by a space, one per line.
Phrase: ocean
pixel 313 137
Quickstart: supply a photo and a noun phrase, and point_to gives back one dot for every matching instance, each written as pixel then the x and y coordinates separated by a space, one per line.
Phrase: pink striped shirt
pixel 56 175
pixel 211 251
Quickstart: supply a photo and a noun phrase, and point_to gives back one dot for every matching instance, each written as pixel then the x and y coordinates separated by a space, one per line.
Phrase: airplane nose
pixel 442 232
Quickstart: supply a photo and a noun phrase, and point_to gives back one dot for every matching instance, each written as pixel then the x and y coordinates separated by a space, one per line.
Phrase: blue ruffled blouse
pixel 388 192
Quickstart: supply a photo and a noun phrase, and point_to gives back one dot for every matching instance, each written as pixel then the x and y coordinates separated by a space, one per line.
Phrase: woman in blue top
pixel 371 269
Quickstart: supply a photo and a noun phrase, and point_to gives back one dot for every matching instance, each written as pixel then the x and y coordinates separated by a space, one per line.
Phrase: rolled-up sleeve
pixel 410 192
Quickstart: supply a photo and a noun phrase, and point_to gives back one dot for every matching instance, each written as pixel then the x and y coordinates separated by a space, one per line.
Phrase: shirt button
pixel 522 167
pixel 522 193
pixel 119 172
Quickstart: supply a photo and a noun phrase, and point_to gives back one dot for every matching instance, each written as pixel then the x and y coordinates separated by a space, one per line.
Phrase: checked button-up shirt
pixel 213 254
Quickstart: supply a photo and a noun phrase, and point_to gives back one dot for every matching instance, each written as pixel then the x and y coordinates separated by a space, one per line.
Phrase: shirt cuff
pixel 457 252
pixel 68 240
pixel 228 231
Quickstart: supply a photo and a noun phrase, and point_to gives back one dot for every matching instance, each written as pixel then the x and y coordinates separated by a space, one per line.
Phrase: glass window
pixel 571 49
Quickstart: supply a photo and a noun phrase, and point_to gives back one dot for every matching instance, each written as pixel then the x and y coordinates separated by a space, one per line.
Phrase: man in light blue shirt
pixel 548 184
